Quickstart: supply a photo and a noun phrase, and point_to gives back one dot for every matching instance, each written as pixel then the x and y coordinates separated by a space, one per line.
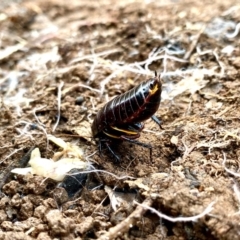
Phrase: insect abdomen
pixel 136 105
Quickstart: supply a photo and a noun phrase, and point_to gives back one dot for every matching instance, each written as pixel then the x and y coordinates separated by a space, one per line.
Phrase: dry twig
pixel 194 44
pixel 226 169
pixel 208 209
pixel 59 105
pixel 127 223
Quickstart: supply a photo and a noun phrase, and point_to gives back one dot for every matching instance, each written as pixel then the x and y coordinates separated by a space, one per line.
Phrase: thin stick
pixel 226 169
pixel 41 125
pixel 208 209
pixel 128 222
pixel 235 33
pixel 236 191
pixel 94 55
pixel 59 105
pixel 35 115
pixel 103 171
pixel 194 44
pixel 221 65
pixel 12 153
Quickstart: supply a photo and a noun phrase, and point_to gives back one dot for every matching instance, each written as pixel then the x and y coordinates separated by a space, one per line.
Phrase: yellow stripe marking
pixel 151 92
pixel 110 135
pixel 125 131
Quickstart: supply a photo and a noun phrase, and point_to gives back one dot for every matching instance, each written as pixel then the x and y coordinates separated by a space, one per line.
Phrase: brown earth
pixel 77 55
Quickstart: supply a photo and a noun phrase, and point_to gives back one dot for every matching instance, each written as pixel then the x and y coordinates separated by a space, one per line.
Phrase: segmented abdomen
pixel 136 105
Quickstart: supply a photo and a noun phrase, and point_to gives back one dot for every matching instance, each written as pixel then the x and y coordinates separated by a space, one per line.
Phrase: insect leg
pixel 157 121
pixel 100 148
pixel 112 152
pixel 138 143
pixel 137 127
pixel 107 143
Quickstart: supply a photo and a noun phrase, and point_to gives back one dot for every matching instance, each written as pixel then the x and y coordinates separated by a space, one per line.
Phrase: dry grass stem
pixel 206 211
pixel 126 224
pixel 226 169
pixel 59 105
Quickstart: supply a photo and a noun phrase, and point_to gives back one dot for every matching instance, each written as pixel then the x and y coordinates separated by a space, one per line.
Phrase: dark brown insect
pixel 122 117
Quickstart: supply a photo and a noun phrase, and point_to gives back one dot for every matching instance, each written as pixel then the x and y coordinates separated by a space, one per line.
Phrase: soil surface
pixel 61 61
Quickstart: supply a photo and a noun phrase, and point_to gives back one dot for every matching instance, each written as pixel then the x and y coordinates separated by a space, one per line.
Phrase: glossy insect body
pixel 122 117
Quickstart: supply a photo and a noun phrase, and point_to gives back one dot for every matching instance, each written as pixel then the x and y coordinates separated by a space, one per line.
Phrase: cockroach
pixel 122 118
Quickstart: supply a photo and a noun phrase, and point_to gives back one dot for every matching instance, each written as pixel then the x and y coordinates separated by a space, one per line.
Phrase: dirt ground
pixel 61 61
